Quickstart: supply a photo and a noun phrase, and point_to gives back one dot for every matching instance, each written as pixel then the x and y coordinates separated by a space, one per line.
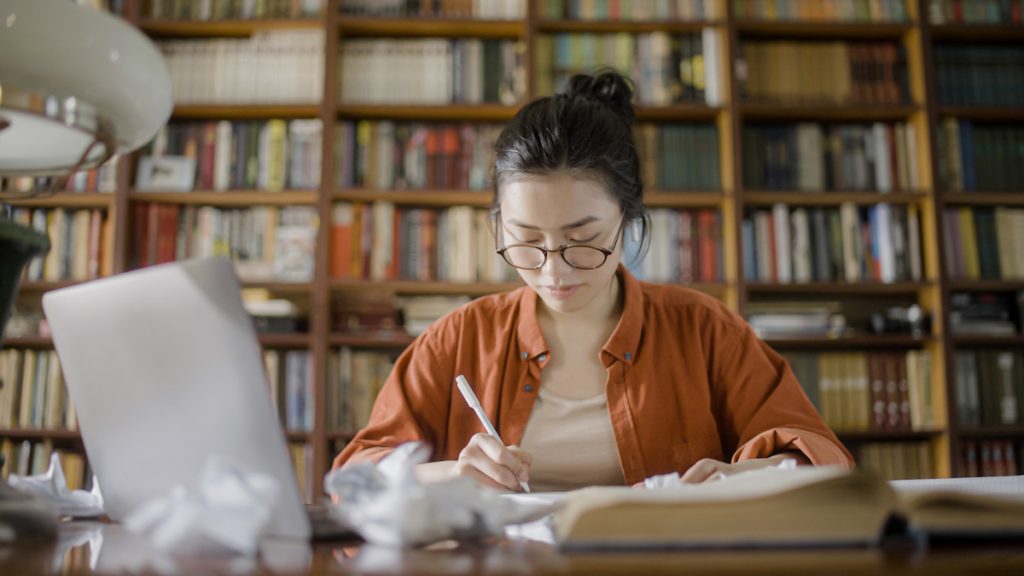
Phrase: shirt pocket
pixel 689 450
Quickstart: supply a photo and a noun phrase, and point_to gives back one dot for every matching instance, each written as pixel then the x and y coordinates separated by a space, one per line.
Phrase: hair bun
pixel 607 87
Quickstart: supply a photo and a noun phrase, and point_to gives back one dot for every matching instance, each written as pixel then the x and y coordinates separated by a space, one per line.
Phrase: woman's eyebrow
pixel 577 224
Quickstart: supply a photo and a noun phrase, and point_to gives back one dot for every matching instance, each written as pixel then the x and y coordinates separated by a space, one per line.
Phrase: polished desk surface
pixel 85 548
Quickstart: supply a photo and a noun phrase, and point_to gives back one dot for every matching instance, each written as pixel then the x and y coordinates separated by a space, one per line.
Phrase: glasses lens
pixel 584 256
pixel 524 256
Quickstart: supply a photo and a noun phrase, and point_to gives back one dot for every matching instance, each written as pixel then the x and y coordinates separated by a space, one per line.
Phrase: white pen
pixel 474 403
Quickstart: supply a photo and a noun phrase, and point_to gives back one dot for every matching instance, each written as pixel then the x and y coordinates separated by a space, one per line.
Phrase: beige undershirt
pixel 572 444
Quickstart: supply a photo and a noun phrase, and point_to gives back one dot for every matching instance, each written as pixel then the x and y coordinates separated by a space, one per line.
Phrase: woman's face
pixel 556 210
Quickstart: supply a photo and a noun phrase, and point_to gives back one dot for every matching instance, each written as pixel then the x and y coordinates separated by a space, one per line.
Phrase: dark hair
pixel 586 131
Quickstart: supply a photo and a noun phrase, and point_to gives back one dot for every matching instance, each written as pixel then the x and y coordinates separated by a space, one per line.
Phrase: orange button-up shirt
pixel 687 379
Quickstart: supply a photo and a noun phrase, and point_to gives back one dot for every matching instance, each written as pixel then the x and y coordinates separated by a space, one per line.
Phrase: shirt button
pixel 542 357
pixel 528 387
pixel 629 355
pixel 526 355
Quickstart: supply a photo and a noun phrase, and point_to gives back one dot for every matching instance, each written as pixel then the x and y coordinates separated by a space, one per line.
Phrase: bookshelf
pixel 733 116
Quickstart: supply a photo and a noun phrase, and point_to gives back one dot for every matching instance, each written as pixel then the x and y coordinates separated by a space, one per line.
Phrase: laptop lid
pixel 164 370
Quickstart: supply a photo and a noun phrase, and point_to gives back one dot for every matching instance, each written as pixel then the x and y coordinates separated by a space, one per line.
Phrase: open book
pixel 805 506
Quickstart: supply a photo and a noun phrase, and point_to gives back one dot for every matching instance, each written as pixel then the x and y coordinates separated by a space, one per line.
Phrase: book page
pixel 1000 486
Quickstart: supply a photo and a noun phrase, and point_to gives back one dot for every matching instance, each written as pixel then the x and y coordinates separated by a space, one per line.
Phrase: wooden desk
pixel 87 548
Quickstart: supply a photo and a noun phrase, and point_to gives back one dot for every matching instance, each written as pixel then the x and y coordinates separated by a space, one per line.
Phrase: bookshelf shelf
pixel 280 288
pixel 683 199
pixel 284 340
pixel 481 199
pixel 67 200
pixel 455 112
pixel 849 342
pixel 768 198
pixel 889 436
pixel 40 287
pixel 678 113
pixel 825 113
pixel 416 287
pixel 984 340
pixel 608 27
pixel 978 32
pixel 43 342
pixel 349 26
pixel 983 198
pixel 993 432
pixel 297 435
pixel 838 288
pixel 986 285
pixel 993 113
pixel 222 28
pixel 41 434
pixel 829 30
pixel 396 340
pixel 245 111
pixel 229 198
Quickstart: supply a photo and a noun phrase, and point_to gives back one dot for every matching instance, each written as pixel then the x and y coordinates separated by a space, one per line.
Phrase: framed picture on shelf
pixel 165 174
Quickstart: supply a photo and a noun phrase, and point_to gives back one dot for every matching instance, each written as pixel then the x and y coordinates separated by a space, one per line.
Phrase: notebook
pixel 164 370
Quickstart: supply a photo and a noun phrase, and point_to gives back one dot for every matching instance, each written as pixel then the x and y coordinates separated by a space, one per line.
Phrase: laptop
pixel 164 370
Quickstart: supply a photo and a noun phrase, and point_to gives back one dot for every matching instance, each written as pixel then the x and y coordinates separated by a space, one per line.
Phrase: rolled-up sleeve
pixel 762 410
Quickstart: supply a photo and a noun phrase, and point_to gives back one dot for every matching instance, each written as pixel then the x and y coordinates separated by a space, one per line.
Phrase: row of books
pixel 267 243
pixel 989 387
pixel 986 313
pixel 979 75
pixel 204 10
pixel 863 11
pixel 803 319
pixel 679 156
pixel 354 377
pixel 277 66
pixel 33 395
pixel 270 155
pixel 813 157
pixel 379 241
pixel 991 458
pixel 897 460
pixel 667 68
pixel 629 10
pixel 77 240
pixel 975 11
pixel 685 247
pixel 432 71
pixel 984 243
pixel 414 155
pixel 102 179
pixel 846 244
pixel 986 157
pixel 477 9
pixel 27 458
pixel 290 377
pixel 823 72
pixel 876 391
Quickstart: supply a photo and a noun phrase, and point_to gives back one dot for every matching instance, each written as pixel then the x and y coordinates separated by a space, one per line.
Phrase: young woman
pixel 591 376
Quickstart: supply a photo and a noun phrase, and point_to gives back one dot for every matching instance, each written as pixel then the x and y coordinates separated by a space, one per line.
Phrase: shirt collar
pixel 621 345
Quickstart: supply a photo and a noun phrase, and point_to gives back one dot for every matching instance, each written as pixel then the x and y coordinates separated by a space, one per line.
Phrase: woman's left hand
pixel 709 469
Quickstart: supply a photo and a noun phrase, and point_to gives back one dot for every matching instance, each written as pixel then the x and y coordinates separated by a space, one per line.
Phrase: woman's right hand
pixel 485 460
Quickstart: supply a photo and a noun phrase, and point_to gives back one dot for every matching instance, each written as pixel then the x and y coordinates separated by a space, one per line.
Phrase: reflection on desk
pixel 89 547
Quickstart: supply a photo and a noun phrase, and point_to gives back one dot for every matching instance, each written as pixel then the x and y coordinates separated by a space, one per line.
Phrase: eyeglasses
pixel 579 256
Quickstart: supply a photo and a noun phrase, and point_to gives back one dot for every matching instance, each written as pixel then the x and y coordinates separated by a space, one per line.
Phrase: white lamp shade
pixel 68 72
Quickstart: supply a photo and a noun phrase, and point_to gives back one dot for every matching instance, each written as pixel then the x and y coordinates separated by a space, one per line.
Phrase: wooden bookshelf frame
pixel 917 36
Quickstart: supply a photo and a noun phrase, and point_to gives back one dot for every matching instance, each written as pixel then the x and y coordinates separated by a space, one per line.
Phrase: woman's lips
pixel 561 292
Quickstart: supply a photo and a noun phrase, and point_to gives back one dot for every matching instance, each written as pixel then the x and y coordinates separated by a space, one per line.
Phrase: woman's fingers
pixel 705 469
pixel 484 454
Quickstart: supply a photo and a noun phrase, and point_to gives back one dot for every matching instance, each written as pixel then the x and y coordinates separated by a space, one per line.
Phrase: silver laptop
pixel 164 370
